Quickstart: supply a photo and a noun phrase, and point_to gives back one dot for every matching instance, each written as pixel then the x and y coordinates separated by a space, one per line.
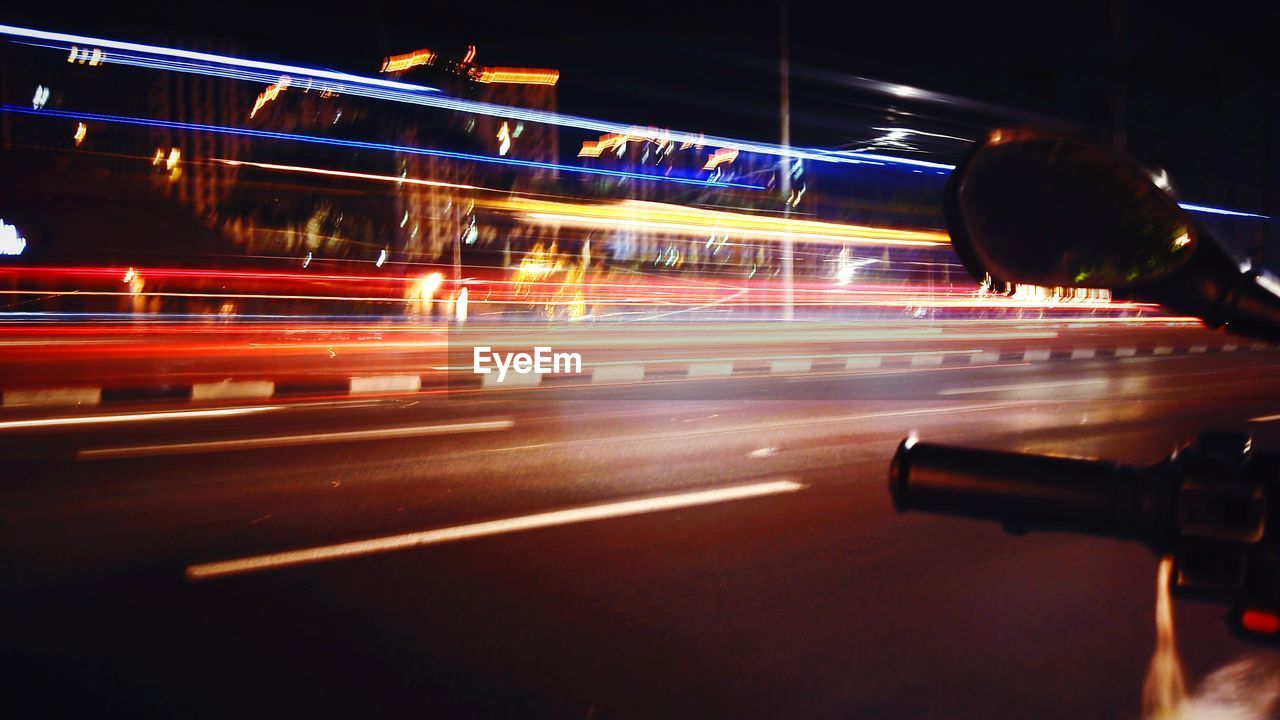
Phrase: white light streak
pixel 288 440
pixel 208 58
pixel 11 243
pixel 522 523
pixel 134 417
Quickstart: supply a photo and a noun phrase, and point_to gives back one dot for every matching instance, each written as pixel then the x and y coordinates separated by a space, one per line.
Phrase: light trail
pixel 66 40
pixel 660 334
pixel 366 145
pixel 662 217
pixel 211 446
pixel 1020 387
pixel 208 63
pixel 599 290
pixel 545 295
pixel 135 417
pixel 352 174
pixel 915 302
pixel 694 229
pixel 749 337
pixel 1220 211
pixel 727 361
pixel 222 296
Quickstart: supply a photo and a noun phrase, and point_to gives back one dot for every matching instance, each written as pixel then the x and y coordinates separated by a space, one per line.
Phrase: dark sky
pixel 1197 77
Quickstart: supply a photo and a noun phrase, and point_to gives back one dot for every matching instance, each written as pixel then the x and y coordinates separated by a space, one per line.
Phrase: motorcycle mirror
pixel 1059 211
pixel 1029 206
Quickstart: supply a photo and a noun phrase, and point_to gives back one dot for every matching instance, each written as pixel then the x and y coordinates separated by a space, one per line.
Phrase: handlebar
pixel 1035 492
pixel 1206 505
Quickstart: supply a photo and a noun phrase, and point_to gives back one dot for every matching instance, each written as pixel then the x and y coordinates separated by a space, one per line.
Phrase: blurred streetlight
pixel 784 166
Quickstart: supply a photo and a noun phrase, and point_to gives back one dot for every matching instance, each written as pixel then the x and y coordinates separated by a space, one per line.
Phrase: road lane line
pixel 232 390
pixel 286 440
pixel 521 523
pixel 52 396
pixel 386 383
pixel 136 417
pixel 1023 386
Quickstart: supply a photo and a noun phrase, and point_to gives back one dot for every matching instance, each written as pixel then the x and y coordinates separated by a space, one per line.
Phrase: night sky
pixel 1197 78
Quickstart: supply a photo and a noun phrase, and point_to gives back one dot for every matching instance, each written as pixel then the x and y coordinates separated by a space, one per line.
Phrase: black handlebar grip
pixel 1034 492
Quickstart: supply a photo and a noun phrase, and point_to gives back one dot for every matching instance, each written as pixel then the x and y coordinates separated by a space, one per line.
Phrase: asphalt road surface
pixel 714 548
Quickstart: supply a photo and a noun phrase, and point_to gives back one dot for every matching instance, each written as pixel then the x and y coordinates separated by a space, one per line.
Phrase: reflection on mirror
pixel 1057 211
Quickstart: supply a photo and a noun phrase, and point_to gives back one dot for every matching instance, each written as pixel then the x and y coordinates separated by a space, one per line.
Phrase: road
pixel 137 355
pixel 709 548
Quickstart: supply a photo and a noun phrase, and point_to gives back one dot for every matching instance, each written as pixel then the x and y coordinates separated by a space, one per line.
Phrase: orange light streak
pixel 397 63
pixel 271 93
pixel 720 157
pixel 518 76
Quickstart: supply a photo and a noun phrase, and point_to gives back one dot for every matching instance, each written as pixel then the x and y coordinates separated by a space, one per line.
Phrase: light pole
pixel 784 167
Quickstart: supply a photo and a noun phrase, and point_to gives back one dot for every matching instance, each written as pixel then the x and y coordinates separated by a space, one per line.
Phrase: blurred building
pixel 651 151
pixel 413 205
pixel 122 176
pixel 442 220
pixel 188 165
pixel 434 219
pixel 532 88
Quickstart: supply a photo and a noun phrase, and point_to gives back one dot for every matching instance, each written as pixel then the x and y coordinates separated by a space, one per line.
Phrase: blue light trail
pixel 1221 211
pixel 209 63
pixel 68 40
pixel 364 145
pixel 380 88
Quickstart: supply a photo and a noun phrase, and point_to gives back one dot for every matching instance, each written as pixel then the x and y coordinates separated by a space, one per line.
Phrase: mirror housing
pixel 1058 211
pixel 1029 206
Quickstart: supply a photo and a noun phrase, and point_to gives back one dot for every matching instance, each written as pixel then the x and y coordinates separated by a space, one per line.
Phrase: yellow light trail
pixel 518 76
pixel 659 217
pixel 675 219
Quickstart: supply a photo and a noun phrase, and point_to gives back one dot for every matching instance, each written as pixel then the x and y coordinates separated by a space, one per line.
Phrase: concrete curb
pixel 600 374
